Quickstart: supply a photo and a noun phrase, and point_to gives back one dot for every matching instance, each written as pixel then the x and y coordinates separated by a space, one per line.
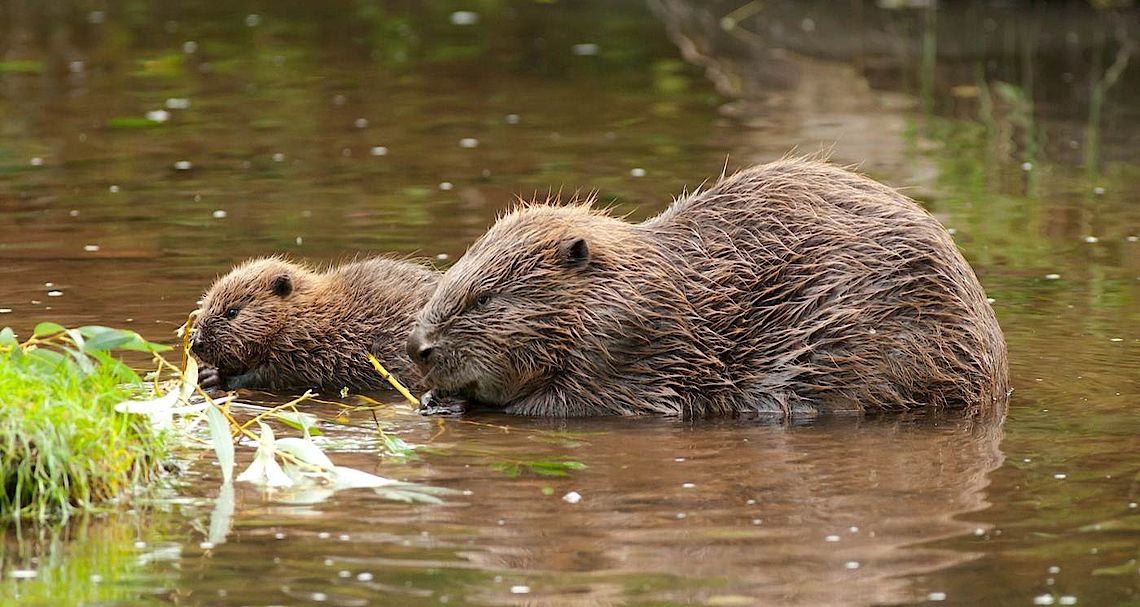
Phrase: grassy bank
pixel 62 447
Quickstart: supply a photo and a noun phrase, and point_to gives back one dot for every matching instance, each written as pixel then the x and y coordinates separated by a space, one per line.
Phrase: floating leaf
pixel 351 478
pixel 305 452
pixel 1127 568
pixel 223 442
pixel 8 338
pixel 264 470
pixel 159 411
pixel 305 422
pixel 132 122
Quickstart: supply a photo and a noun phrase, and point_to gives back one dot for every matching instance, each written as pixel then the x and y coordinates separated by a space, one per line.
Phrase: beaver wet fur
pixel 276 324
pixel 792 288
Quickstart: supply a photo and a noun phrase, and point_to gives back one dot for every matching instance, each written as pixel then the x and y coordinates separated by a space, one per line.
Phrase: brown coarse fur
pixel 293 326
pixel 792 288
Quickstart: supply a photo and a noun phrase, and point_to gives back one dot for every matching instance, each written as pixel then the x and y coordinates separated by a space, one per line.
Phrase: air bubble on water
pixel 319 597
pixel 853 529
pixel 1060 476
pixel 1052 277
pixel 851 564
pixel 91 248
pixel 681 515
pixel 446 186
pixel 346 152
pixel 990 300
pixel 364 577
pixel 300 241
pixel 219 214
pixel 1132 505
pixel 468 142
pixel 252 20
pixel 637 172
pixel 1043 599
pixel 114 189
pixel 1133 238
pixel 1027 166
pixel 378 150
pixel 442 257
pixel 206 545
pixel 513 118
pixel 678 459
pixel 158 115
pixel 520 589
pixel 750 502
pixel 688 485
pixel 49 284
pixel 189 47
pixel 36 161
pixel 360 123
pixel 1092 239
pixel 585 49
pixel 1067 600
pixel 572 497
pixel 1099 191
pixel 344 537
pixel 1116 339
pixel 936 596
pixel 464 18
pixel 831 538
pixel 344 573
pixel 55 293
pixel 979 532
pixel 1054 570
pixel 177 103
pixel 183 165
pixel 5 310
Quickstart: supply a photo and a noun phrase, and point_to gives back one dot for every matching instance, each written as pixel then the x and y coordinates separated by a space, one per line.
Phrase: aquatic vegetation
pixel 62 449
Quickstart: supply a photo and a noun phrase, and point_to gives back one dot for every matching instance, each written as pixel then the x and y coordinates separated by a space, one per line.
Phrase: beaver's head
pixel 506 318
pixel 242 313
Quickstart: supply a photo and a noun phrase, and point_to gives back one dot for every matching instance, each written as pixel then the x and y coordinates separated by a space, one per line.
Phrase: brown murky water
pixel 323 132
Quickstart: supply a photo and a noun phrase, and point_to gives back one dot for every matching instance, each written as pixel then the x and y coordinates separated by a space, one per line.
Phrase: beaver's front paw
pixel 434 403
pixel 211 380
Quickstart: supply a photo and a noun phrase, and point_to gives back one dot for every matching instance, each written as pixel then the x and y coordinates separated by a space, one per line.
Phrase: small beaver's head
pixel 242 313
pixel 505 318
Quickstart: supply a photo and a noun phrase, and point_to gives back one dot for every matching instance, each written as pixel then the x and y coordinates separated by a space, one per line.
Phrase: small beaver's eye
pixel 482 300
pixel 232 313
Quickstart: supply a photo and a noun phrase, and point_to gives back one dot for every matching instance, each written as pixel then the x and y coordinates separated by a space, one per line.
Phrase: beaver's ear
pixel 282 285
pixel 575 252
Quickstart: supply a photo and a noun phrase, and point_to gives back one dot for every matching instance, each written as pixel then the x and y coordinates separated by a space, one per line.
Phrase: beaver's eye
pixel 482 300
pixel 232 313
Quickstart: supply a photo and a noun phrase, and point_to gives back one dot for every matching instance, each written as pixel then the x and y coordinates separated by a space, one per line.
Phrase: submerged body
pixel 792 288
pixel 275 324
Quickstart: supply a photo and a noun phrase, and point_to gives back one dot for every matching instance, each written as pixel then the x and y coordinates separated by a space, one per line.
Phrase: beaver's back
pixel 820 289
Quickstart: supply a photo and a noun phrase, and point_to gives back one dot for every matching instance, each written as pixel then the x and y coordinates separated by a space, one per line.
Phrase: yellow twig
pixel 392 380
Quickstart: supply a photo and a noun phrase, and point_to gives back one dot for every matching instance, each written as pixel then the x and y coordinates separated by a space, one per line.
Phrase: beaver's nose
pixel 420 350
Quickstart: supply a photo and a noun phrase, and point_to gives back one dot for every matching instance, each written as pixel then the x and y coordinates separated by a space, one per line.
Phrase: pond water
pixel 327 130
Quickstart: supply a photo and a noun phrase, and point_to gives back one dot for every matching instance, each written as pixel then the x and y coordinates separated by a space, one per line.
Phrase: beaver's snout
pixel 420 349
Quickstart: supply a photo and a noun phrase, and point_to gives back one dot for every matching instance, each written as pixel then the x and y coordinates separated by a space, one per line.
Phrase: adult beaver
pixel 275 324
pixel 792 288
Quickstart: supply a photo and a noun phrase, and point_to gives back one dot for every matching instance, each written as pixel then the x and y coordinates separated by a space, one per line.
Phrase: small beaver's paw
pixel 211 380
pixel 433 403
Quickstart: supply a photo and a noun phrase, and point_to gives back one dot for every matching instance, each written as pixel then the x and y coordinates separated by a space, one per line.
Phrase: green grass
pixel 62 447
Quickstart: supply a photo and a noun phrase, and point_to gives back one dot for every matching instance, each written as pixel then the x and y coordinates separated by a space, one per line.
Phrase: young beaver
pixel 792 288
pixel 274 324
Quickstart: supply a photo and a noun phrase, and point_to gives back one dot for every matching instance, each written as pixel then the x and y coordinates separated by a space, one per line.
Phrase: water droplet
pixel 853 529
pixel 951 231
pixel 442 257
pixel 55 293
pixel 468 142
pixel 446 186
pixel 1052 277
pixel 300 241
pixel 678 459
pixel 327 562
pixel 520 589
pixel 379 150
pixel 1027 166
pixel 1043 599
pixel 637 172
pixel 114 189
pixel 1092 239
pixel 279 535
pixel 219 214
pixel 36 161
pixel 364 577
pixel 158 115
pixel 183 165
pixel 252 20
pixel 320 597
pixel 49 284
pixel 572 497
pixel 979 532
pixel 464 18
pixel 189 47
pixel 936 596
pixel 1060 476
pixel 585 49
pixel 990 300
pixel 688 485
pixel 1116 339
pixel 851 564
pixel 681 515
pixel 513 118
pixel 91 248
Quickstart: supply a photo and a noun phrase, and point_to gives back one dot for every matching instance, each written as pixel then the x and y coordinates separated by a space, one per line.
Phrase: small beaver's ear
pixel 282 285
pixel 576 252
